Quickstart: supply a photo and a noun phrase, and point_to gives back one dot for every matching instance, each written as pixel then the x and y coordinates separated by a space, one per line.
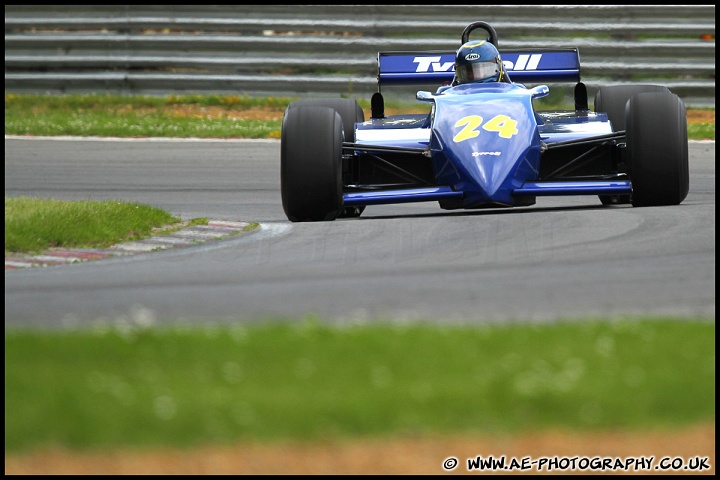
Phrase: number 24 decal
pixel 505 126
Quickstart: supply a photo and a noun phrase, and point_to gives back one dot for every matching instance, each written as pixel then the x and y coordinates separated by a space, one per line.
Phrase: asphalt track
pixel 563 258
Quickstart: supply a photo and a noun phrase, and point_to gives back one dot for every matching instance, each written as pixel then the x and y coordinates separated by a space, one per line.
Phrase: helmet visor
pixel 473 72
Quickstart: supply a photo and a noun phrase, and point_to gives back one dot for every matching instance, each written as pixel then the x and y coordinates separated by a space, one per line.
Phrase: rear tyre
pixel 657 146
pixel 349 111
pixel 311 164
pixel 612 100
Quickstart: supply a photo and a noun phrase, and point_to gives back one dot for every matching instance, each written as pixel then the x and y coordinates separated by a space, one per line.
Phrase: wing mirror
pixel 540 91
pixel 423 96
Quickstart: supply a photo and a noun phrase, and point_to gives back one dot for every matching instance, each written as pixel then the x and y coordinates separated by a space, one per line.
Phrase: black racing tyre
pixel 612 100
pixel 657 149
pixel 311 164
pixel 349 111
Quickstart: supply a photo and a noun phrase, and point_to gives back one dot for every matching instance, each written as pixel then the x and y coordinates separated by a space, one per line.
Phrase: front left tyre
pixel 311 164
pixel 657 149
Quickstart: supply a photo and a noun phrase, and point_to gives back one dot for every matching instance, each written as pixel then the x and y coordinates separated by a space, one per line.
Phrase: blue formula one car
pixel 483 144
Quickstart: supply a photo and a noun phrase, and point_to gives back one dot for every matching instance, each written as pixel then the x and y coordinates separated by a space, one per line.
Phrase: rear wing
pixel 437 67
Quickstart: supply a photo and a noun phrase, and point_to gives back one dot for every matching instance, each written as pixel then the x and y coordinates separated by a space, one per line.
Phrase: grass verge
pixel 137 385
pixel 36 224
pixel 198 116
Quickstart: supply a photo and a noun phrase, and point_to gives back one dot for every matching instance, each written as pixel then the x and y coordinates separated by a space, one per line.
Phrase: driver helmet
pixel 478 61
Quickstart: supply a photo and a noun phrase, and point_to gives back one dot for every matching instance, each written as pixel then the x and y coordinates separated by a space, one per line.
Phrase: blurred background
pixel 331 50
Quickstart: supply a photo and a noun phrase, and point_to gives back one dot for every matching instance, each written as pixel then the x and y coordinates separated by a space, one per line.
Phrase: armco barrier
pixel 318 50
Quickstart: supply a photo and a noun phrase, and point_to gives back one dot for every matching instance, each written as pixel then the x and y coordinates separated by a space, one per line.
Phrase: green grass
pixel 197 116
pixel 136 385
pixel 139 116
pixel 701 131
pixel 36 224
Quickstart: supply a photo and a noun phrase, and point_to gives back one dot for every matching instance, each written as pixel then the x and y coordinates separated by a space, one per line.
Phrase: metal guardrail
pixel 319 50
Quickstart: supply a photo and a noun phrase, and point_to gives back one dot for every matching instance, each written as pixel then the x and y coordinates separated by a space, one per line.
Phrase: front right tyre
pixel 311 164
